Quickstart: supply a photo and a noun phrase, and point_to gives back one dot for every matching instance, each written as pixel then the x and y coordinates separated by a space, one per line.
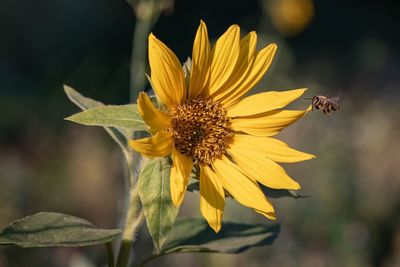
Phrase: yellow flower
pixel 209 125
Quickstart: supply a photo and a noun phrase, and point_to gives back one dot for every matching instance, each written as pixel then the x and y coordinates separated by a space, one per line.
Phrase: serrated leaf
pixel 194 235
pixel 123 116
pixel 49 229
pixel 155 194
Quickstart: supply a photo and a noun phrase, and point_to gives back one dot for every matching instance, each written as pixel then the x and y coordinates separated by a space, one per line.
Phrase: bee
pixel 325 104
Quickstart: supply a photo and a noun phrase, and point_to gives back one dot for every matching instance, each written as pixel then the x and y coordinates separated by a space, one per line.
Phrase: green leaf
pixel 123 116
pixel 155 194
pixel 195 235
pixel 81 101
pixel 120 135
pixel 48 229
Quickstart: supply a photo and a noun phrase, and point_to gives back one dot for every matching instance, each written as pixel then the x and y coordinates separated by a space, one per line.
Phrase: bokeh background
pixel 346 48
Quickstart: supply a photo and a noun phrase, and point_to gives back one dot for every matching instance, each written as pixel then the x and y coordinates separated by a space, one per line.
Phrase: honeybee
pixel 325 104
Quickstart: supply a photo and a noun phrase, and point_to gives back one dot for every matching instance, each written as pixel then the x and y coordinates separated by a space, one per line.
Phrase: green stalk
pixel 147 13
pixel 134 219
pixel 144 23
pixel 110 254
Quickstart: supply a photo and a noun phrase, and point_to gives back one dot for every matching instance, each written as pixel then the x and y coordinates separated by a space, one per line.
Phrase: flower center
pixel 201 129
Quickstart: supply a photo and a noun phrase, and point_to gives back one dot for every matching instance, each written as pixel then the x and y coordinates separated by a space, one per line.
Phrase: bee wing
pixel 335 104
pixel 339 96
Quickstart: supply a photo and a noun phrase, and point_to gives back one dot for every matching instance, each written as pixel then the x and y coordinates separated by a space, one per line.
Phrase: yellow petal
pixel 156 119
pixel 181 167
pixel 166 73
pixel 269 123
pixel 212 198
pixel 224 58
pixel 201 60
pixel 260 67
pixel 272 148
pixel 243 66
pixel 271 216
pixel 264 102
pixel 159 145
pixel 259 168
pixel 245 190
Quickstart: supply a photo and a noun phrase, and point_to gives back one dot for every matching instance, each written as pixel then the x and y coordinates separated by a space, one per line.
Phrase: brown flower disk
pixel 201 129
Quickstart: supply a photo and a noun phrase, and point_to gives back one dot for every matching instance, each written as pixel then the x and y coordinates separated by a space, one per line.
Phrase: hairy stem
pixel 147 13
pixel 134 219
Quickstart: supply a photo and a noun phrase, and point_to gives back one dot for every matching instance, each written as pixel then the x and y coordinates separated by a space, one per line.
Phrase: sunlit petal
pixel 201 60
pixel 156 119
pixel 224 58
pixel 245 190
pixel 181 167
pixel 264 102
pixel 166 73
pixel 260 67
pixel 271 216
pixel 272 148
pixel 159 145
pixel 269 123
pixel 242 68
pixel 262 169
pixel 212 198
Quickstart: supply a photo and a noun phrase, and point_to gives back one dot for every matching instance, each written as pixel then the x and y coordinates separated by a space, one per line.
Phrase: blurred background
pixel 346 48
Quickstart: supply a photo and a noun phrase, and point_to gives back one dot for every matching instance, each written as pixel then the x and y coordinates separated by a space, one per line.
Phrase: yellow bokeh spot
pixel 291 17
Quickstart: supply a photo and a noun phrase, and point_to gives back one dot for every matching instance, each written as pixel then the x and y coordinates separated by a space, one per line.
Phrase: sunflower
pixel 206 123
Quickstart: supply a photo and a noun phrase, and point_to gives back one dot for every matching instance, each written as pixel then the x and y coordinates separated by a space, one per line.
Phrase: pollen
pixel 201 129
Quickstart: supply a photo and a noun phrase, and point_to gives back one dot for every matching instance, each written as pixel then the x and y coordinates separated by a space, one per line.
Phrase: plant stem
pixel 133 222
pixel 147 13
pixel 110 254
pixel 145 19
